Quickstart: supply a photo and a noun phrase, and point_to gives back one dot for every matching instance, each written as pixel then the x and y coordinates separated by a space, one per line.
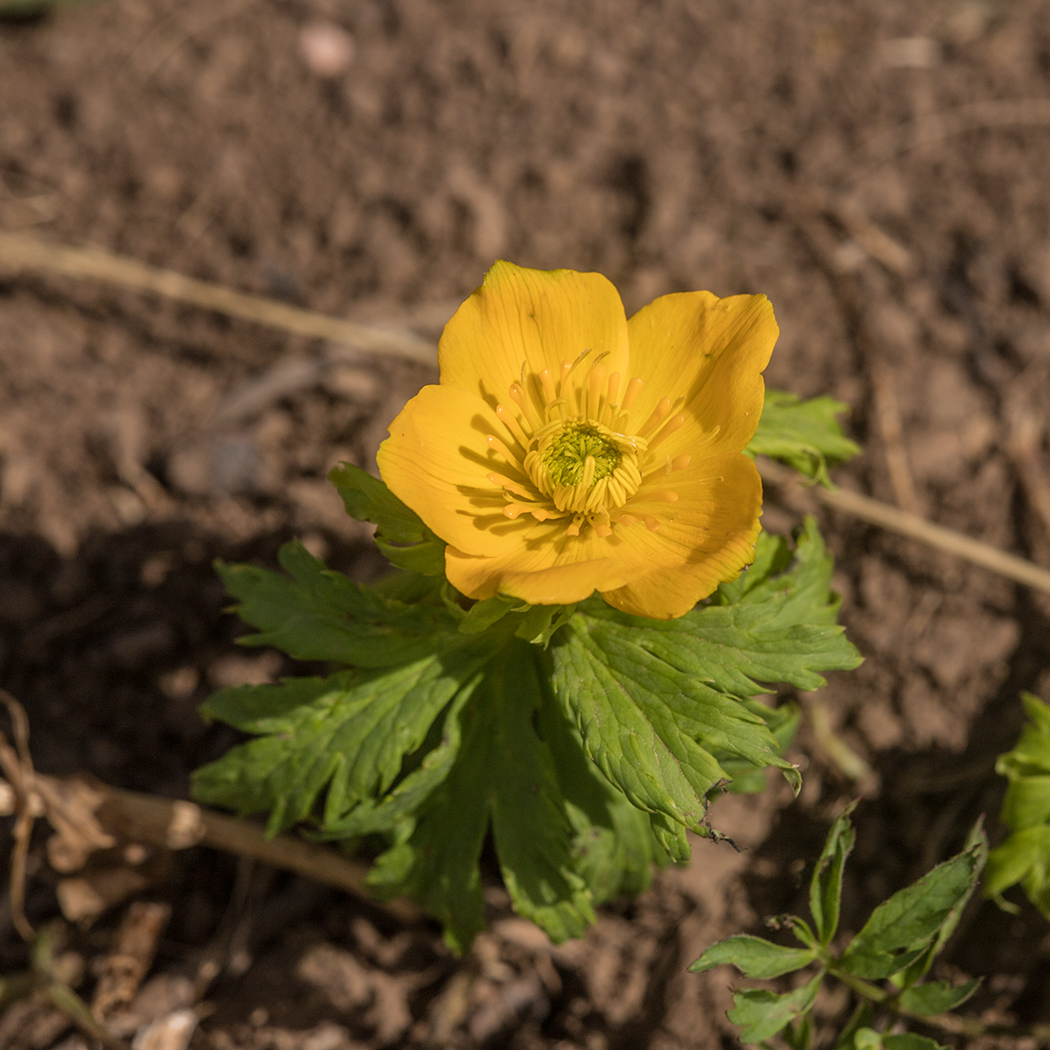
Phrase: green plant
pixel 1025 855
pixel 896 946
pixel 586 741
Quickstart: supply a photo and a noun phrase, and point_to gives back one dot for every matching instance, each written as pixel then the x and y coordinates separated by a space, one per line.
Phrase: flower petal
pixel 533 317
pixel 710 539
pixel 437 461
pixel 549 568
pixel 712 351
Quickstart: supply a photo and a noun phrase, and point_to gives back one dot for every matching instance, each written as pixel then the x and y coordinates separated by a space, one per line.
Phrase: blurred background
pixel 880 171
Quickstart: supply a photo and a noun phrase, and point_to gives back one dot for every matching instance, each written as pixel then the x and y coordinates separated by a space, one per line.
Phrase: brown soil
pixel 879 170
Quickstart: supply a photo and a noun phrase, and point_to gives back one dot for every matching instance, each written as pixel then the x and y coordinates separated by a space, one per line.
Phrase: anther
pixel 500 449
pixel 509 420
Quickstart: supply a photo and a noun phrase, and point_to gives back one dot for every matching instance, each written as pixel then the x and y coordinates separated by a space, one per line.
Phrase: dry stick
pixel 176 824
pixel 27 253
pixel 918 528
pixel 17 766
pixel 888 414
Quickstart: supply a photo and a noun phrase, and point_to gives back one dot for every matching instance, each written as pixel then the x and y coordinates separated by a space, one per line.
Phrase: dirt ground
pixel 878 170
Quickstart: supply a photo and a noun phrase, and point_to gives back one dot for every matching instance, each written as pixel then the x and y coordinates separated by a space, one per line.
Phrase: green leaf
pixel 761 1013
pixel 753 957
pixel 389 811
pixel 1023 858
pixel 649 727
pixel 869 1039
pixel 1025 855
pixel 783 722
pixel 529 824
pixel 909 1041
pixel 347 735
pixel 1027 802
pixel 504 774
pixel 898 929
pixel 937 997
pixel 804 434
pixel 613 843
pixel 435 858
pixel 825 888
pixel 659 705
pixel 313 613
pixel 400 532
pixel 976 840
pixel 780 629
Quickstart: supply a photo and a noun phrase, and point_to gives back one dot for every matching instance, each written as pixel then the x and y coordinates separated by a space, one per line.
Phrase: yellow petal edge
pixel 568 450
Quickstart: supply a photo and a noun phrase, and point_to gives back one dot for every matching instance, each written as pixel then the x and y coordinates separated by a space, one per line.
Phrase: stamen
pixel 630 395
pixel 658 414
pixel 594 390
pixel 650 522
pixel 500 449
pixel 517 395
pixel 547 383
pixel 510 421
pixel 510 486
pixel 681 462
pixel 669 428
pixel 556 406
pixel 516 510
pixel 612 390
pixel 666 496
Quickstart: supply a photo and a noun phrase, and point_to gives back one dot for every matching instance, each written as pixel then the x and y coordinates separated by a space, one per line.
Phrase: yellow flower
pixel 569 450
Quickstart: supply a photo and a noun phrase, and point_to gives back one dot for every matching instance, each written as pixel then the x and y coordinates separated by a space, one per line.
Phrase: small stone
pixel 327 49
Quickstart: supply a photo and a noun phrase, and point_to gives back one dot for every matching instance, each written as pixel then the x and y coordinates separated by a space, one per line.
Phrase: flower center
pixel 583 467
pixel 580 452
pixel 571 451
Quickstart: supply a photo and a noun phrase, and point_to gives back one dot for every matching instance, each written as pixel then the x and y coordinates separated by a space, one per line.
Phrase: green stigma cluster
pixel 566 457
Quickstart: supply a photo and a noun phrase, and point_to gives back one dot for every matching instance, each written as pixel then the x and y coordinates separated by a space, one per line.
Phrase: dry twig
pixel 89 815
pixel 19 252
pixel 911 525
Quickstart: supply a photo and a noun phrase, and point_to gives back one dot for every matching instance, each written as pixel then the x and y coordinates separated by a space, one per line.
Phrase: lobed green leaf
pixel 899 929
pixel 780 627
pixel 761 1013
pixel 936 997
pixel 504 776
pixel 869 1039
pixel 400 532
pixel 753 957
pixel 804 434
pixel 346 735
pixel 312 613
pixel 1025 855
